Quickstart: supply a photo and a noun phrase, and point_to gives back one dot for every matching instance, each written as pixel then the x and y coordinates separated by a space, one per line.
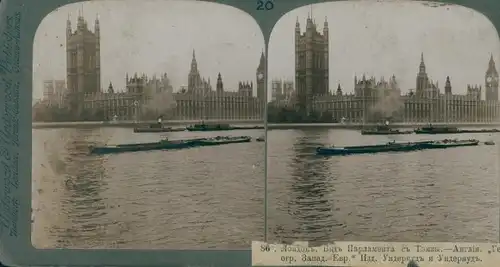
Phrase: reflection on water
pixel 159 199
pixel 440 195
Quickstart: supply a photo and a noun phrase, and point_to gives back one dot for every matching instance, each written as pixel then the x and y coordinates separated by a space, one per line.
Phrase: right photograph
pixel 383 124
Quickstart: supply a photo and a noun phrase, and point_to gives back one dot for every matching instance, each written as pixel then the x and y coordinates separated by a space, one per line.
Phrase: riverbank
pixel 358 126
pixel 133 124
pixel 270 126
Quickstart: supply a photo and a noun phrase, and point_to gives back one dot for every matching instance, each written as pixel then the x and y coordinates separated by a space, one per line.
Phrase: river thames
pixel 433 195
pixel 210 197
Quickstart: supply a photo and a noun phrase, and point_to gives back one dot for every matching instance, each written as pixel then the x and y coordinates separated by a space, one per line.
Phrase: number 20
pixel 265 5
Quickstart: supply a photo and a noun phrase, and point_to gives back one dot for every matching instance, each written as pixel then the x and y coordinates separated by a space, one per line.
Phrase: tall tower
pixel 491 81
pixel 261 78
pixel 194 78
pixel 220 85
pixel 422 78
pixel 447 86
pixel 311 64
pixel 83 66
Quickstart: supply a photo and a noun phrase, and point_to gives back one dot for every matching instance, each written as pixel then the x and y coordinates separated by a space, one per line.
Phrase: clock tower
pixel 261 78
pixel 491 81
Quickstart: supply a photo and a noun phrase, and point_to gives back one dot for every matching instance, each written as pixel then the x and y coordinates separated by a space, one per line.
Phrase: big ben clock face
pixel 260 76
pixel 488 79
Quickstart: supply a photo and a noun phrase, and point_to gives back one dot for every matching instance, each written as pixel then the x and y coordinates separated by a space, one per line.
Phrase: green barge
pixel 395 147
pixel 169 144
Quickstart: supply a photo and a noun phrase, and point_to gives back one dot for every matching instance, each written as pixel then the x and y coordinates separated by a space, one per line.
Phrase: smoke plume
pixel 389 102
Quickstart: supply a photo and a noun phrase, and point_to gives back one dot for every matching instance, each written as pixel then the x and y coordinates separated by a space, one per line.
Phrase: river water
pixel 209 197
pixel 213 197
pixel 434 195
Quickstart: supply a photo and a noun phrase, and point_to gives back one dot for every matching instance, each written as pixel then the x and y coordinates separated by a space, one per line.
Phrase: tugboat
pixel 157 128
pixel 260 139
pixel 384 130
pixel 437 130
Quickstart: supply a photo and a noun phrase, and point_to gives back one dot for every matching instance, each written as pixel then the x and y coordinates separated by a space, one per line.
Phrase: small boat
pixel 168 144
pixel 384 130
pixel 157 128
pixel 260 139
pixel 447 143
pixel 161 129
pixel 489 143
pixel 436 130
pixel 389 147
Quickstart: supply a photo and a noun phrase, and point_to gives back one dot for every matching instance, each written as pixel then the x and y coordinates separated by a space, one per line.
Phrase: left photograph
pixel 148 127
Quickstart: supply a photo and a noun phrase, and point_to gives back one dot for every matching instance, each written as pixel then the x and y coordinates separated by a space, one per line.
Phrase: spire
pixel 97 27
pixel 220 85
pixel 422 64
pixel 194 64
pixel 68 26
pixel 491 64
pixel 262 61
pixel 110 88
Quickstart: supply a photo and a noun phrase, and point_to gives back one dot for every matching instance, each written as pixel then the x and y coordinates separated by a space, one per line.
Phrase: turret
pixel 68 28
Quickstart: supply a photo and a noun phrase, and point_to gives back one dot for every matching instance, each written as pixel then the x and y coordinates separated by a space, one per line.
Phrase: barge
pixel 160 129
pixel 450 130
pixel 169 144
pixel 203 127
pixel 395 147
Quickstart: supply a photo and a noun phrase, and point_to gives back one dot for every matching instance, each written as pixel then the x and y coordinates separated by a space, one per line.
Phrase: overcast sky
pixel 382 39
pixel 155 37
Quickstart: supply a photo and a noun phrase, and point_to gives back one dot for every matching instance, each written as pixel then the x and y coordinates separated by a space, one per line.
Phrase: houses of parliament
pixel 81 97
pixel 381 99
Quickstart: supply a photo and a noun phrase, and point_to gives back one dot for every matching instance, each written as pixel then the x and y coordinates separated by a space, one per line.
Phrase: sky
pixel 386 38
pixel 154 37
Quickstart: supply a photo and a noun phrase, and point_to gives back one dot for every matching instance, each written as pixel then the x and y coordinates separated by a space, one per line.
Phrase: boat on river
pixel 431 129
pixel 447 143
pixel 157 128
pixel 169 144
pixel 395 147
pixel 223 140
pixel 384 130
pixel 205 127
pixel 260 139
pixel 389 147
